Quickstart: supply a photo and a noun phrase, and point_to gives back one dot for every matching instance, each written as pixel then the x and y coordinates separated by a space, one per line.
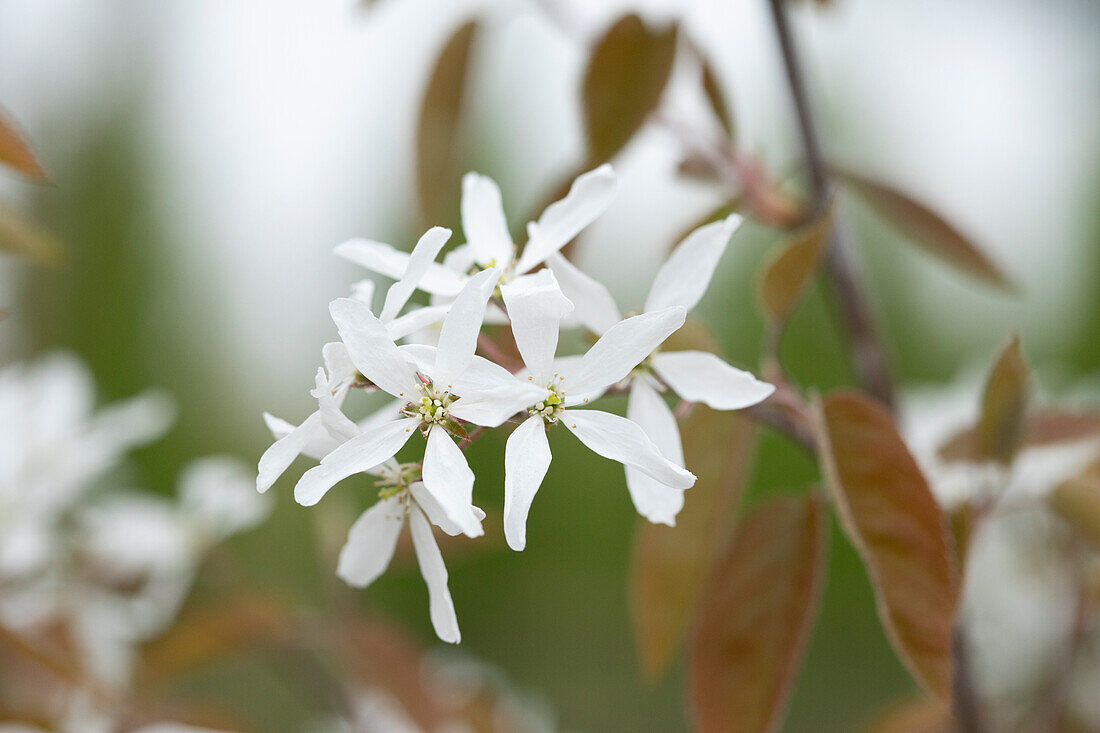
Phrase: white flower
pixel 53 446
pixel 695 376
pixel 549 394
pixel 373 538
pixel 431 397
pixel 488 243
pixel 324 430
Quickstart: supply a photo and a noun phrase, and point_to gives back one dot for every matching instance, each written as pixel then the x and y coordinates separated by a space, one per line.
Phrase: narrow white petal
pixel 622 440
pixel 335 421
pixel 447 476
pixel 588 197
pixel 526 460
pixel 483 221
pixel 371 348
pixel 440 605
pixel 416 320
pixel 371 543
pixel 492 408
pixel 288 446
pixel 655 501
pixel 420 259
pixel 595 308
pixel 684 277
pixel 697 376
pixel 536 306
pixel 358 454
pixel 458 337
pixel 623 347
pixel 434 509
pixel 341 370
pixel 392 262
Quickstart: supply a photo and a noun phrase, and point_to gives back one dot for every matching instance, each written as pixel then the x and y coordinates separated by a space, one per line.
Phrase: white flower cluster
pixel 110 567
pixel 444 390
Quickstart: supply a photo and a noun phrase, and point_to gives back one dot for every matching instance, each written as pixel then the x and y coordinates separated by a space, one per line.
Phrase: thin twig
pixel 868 357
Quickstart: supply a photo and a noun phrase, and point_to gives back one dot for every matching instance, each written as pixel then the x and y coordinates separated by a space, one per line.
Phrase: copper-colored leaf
pixel 1004 405
pixel 669 564
pixel 1077 500
pixel 438 153
pixel 22 236
pixel 785 276
pixel 894 522
pixel 717 100
pixel 926 228
pixel 202 635
pixel 756 615
pixel 914 716
pixel 626 75
pixel 1043 427
pixel 15 153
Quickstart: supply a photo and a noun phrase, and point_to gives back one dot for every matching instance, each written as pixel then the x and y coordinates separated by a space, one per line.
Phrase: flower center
pixel 432 406
pixel 392 480
pixel 552 406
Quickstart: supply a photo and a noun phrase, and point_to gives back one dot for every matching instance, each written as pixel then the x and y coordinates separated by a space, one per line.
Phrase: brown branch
pixel 868 357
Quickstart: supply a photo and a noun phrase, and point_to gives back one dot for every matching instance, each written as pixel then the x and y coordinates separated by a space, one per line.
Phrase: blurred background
pixel 207 155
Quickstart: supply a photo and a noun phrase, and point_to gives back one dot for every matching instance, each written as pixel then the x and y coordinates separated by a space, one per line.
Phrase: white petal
pixel 434 509
pixel 335 421
pixel 447 476
pixel 278 457
pixel 416 320
pixel 358 454
pixel 595 308
pixel 536 306
pixel 483 221
pixel 371 543
pixel 440 605
pixel 391 262
pixel 588 197
pixel 371 348
pixel 216 492
pixel 526 460
pixel 458 337
pixel 621 440
pixel 341 370
pixel 655 501
pixel 697 376
pixel 492 408
pixel 363 291
pixel 420 259
pixel 623 347
pixel 684 277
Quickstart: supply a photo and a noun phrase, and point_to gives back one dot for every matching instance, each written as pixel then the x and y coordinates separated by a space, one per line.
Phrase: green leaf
pixel 894 522
pixel 438 147
pixel 22 236
pixel 756 616
pixel 626 75
pixel 925 228
pixel 669 564
pixel 785 276
pixel 15 153
pixel 1004 405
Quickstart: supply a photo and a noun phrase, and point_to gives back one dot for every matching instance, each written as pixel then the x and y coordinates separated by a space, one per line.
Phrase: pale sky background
pixel 275 130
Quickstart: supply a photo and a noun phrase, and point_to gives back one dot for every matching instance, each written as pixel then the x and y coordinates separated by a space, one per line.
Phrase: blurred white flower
pixel 53 446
